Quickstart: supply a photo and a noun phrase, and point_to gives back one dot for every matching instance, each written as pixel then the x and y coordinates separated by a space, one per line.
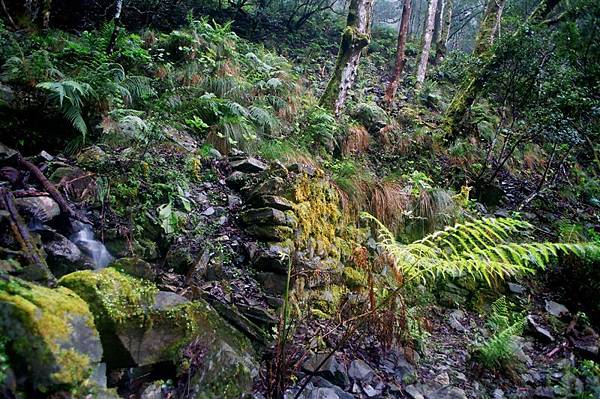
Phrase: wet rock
pixel 237 180
pixel 135 267
pixel 413 392
pixel 332 369
pixel 249 165
pixel 556 309
pixel 517 289
pixel 241 322
pixel 7 153
pixel 52 340
pixel 360 370
pixel 41 208
pixel 264 216
pixel 273 201
pixel 271 233
pixel 63 256
pixel 540 332
pixel 273 283
pixel 139 325
pixel 91 157
pixel 370 116
pixel 179 259
pixel 274 258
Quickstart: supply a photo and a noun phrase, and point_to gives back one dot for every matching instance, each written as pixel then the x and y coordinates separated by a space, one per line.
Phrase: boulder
pixel 92 157
pixel 140 325
pixel 274 201
pixel 371 116
pixel 272 233
pixel 135 267
pixel 556 309
pixel 64 256
pixel 359 370
pixel 332 369
pixel 264 216
pixel 249 165
pixel 52 340
pixel 237 180
pixel 42 208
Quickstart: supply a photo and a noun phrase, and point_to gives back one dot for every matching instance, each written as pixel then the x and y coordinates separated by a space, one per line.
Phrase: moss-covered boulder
pixel 52 341
pixel 140 325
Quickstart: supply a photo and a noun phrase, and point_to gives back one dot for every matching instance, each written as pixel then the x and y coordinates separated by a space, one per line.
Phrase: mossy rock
pixel 52 340
pixel 354 278
pixel 135 267
pixel 141 325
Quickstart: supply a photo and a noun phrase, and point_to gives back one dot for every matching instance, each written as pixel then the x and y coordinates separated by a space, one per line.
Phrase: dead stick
pixel 21 234
pixel 49 187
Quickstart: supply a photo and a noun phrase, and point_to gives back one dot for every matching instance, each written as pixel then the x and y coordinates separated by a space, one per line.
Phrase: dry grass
pixel 389 201
pixel 357 140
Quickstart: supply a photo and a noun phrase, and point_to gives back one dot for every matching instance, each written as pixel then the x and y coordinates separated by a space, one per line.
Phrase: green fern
pixel 480 249
pixel 69 96
pixel 500 349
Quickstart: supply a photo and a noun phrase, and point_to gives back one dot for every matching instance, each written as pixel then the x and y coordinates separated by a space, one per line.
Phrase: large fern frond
pixel 480 249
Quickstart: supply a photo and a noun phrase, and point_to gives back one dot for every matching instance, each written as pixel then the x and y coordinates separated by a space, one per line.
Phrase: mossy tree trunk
pixel 355 38
pixel 392 87
pixel 115 33
pixel 489 26
pixel 457 112
pixel 427 37
pixel 441 45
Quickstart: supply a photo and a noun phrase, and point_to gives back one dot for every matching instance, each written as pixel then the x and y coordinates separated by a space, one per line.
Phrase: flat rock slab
pixel 249 165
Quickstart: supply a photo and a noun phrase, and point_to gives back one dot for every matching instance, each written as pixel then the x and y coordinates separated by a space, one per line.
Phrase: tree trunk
pixel 390 92
pixel 355 37
pixel 488 27
pixel 464 98
pixel 437 26
pixel 422 69
pixel 441 45
pixel 115 33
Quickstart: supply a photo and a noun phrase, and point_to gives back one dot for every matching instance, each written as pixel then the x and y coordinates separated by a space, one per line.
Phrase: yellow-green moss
pixel 37 322
pixel 355 278
pixel 113 297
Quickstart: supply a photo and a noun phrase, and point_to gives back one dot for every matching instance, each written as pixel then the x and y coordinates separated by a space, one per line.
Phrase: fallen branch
pixel 21 234
pixel 49 187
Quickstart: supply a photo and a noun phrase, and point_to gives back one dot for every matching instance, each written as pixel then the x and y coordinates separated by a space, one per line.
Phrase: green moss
pixel 355 278
pixel 37 322
pixel 113 297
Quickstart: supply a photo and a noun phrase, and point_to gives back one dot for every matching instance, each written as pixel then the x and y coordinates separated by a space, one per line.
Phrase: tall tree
pixel 456 114
pixel 489 26
pixel 429 25
pixel 355 38
pixel 442 42
pixel 392 87
pixel 117 28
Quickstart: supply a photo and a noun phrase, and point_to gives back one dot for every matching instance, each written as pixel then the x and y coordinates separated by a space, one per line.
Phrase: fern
pixel 69 96
pixel 480 249
pixel 500 349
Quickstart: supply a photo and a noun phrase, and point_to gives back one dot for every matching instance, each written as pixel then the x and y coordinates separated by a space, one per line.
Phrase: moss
pixel 37 322
pixel 355 278
pixel 113 297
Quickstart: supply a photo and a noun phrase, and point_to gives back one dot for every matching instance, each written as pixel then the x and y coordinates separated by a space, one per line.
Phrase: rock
pixel 556 309
pixel 64 172
pixel 498 394
pixel 406 371
pixel 64 256
pixel 7 153
pixel 7 98
pixel 447 393
pixel 455 320
pixel 241 322
pixel 91 157
pixel 539 331
pixel 179 259
pixel 543 393
pixel 272 233
pixel 273 201
pixel 360 370
pixel 273 283
pixel 371 116
pixel 263 216
pixel 516 289
pixel 413 392
pixel 306 169
pixel 274 258
pixel 249 165
pixel 332 370
pixel 237 180
pixel 52 341
pixel 181 137
pixel 443 379
pixel 135 267
pixel 587 347
pixel 41 208
pixel 153 391
pixel 209 211
pixel 139 325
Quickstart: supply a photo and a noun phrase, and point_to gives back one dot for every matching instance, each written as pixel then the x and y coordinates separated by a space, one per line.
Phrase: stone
pixel 517 289
pixel 135 267
pixel 406 371
pixel 443 379
pixel 41 208
pixel 332 370
pixel 52 340
pixel 153 391
pixel 274 201
pixel 455 320
pixel 91 157
pixel 273 283
pixel 140 325
pixel 544 393
pixel 360 370
pixel 556 309
pixel 413 392
pixel 179 259
pixel 64 172
pixel 306 169
pixel 249 165
pixel 264 216
pixel 209 211
pixel 371 116
pixel 182 138
pixel 272 233
pixel 6 152
pixel 539 331
pixel 63 256
pixel 237 180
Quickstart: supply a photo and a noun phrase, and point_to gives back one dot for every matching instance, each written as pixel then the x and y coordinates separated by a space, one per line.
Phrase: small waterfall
pixel 84 239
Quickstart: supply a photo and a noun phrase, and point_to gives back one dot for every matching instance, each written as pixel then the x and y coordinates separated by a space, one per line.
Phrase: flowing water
pixel 84 239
